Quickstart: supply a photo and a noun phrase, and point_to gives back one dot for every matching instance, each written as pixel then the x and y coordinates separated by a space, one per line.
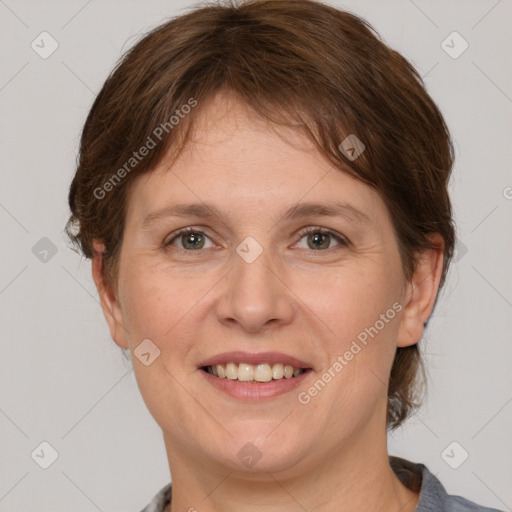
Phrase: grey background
pixel 63 381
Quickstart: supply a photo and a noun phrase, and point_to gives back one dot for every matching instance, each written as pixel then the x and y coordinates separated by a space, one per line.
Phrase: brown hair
pixel 295 62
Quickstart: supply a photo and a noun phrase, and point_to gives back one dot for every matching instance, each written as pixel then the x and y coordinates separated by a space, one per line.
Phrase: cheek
pixel 358 313
pixel 159 308
pixel 154 303
pixel 349 300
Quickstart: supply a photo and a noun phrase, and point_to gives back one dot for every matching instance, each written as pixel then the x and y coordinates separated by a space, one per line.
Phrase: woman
pixel 262 189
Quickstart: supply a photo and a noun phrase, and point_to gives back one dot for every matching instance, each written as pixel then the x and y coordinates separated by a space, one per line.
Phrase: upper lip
pixel 254 358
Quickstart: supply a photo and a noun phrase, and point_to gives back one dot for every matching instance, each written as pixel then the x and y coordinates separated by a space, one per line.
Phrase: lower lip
pixel 256 390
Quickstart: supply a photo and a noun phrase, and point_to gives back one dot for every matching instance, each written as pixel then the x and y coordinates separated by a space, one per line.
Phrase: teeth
pixel 245 372
pixel 263 373
pixel 231 371
pixel 278 371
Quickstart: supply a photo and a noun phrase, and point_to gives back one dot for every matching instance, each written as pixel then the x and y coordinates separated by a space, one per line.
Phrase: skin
pixel 328 455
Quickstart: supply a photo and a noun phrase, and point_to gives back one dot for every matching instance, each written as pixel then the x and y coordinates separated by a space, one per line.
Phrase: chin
pixel 259 454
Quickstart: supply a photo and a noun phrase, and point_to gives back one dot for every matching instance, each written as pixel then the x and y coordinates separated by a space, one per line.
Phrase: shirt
pixel 415 476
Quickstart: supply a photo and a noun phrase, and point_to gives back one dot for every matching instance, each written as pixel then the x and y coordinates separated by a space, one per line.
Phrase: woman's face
pixel 250 278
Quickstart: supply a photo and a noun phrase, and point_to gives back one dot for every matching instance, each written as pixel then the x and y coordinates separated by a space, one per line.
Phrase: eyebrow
pixel 307 209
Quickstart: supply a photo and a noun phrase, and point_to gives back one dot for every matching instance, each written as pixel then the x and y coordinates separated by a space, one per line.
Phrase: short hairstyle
pixel 296 63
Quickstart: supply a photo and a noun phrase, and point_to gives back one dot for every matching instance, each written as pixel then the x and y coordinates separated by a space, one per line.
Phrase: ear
pixel 109 302
pixel 421 293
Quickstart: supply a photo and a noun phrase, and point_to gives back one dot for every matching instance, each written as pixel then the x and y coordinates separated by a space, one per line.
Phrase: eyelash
pixel 312 229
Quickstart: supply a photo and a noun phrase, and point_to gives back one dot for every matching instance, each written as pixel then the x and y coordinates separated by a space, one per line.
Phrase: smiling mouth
pixel 258 373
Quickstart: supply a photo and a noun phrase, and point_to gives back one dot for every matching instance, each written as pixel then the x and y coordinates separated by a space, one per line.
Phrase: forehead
pixel 237 159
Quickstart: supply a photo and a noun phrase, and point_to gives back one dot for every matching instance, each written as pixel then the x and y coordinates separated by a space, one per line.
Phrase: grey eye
pixel 190 240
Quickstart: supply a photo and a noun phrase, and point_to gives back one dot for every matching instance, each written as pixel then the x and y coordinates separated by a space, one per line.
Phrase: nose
pixel 255 295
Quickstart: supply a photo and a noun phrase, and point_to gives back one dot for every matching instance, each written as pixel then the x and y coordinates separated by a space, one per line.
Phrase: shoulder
pixel 460 504
pixel 433 496
pixel 436 498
